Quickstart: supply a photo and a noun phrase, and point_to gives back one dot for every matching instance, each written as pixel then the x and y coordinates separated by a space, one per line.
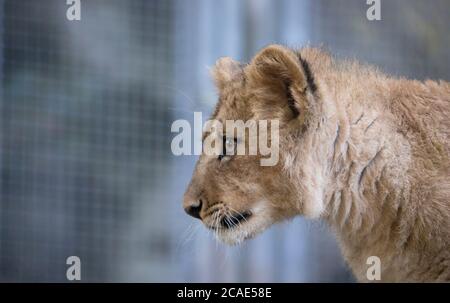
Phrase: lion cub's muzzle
pixel 218 216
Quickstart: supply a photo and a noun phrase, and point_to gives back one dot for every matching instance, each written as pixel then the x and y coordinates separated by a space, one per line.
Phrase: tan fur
pixel 367 153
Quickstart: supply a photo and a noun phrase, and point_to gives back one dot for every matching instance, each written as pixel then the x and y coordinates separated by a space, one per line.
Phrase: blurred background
pixel 86 107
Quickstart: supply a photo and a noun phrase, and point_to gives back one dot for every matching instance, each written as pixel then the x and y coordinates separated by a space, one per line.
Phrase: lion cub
pixel 366 153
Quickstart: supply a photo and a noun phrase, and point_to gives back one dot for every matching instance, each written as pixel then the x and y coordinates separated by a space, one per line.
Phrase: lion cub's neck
pixel 369 159
pixel 380 168
pixel 367 186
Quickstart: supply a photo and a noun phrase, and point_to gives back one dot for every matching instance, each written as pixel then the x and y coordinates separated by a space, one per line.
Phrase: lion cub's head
pixel 234 194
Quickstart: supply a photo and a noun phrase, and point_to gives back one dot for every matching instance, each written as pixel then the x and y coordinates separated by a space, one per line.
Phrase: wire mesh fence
pixel 86 108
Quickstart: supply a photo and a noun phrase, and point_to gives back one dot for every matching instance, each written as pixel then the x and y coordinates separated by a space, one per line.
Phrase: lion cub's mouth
pixel 229 222
pixel 233 227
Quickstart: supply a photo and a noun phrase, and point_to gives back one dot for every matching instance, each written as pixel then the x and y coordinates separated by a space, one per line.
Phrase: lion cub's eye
pixel 228 147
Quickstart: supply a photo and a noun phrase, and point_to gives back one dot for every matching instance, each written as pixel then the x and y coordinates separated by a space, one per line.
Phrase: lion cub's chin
pixel 235 237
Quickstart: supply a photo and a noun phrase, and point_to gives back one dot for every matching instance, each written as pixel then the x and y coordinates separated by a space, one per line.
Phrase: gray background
pixel 85 115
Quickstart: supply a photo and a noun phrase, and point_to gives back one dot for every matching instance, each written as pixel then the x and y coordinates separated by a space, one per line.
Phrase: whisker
pixel 182 93
pixel 232 223
pixel 200 106
pixel 217 226
pixel 187 236
pixel 239 213
pixel 212 209
pixel 228 222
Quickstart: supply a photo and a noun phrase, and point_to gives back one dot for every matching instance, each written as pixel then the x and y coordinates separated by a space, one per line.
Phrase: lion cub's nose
pixel 193 208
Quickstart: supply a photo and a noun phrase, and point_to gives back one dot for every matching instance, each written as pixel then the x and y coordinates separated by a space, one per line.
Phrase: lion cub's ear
pixel 280 81
pixel 224 71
